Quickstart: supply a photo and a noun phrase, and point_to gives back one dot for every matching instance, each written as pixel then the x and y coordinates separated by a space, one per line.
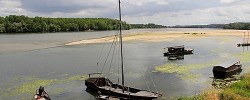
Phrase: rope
pixel 100 56
pixel 144 77
pixel 154 84
pixel 108 55
pixel 112 55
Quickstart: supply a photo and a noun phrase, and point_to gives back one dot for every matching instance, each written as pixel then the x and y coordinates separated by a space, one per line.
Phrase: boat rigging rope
pixel 144 77
pixel 154 84
pixel 108 53
pixel 151 81
pixel 112 57
pixel 98 61
pixel 100 56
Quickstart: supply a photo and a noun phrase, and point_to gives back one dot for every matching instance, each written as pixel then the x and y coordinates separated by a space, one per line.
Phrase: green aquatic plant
pixel 225 40
pixel 28 86
pixel 184 71
pixel 77 78
pixel 243 56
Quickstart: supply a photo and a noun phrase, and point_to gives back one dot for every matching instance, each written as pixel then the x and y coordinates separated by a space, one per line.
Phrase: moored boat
pixel 227 69
pixel 104 86
pixel 177 50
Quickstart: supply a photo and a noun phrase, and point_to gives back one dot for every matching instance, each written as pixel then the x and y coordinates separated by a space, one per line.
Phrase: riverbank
pixel 237 91
pixel 162 36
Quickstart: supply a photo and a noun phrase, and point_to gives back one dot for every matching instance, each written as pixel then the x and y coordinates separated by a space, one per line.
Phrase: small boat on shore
pixel 227 69
pixel 177 50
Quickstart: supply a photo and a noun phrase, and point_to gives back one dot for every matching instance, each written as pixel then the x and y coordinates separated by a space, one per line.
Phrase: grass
pixel 208 95
pixel 237 91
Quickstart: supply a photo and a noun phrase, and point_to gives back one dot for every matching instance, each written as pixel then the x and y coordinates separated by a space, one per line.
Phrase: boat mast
pixel 244 39
pixel 120 29
pixel 247 37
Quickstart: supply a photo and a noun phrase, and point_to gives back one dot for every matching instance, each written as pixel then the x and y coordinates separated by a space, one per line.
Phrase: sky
pixel 164 12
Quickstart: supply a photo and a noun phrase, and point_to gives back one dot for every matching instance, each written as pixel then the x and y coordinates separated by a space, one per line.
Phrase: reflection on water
pixel 62 68
pixel 175 57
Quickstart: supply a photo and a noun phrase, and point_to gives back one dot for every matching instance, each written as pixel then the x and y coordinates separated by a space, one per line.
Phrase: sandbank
pixel 162 36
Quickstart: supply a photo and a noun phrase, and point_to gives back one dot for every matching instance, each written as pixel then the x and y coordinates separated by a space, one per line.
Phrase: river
pixel 30 60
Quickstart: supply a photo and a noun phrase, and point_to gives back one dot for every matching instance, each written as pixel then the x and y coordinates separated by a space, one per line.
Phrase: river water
pixel 30 60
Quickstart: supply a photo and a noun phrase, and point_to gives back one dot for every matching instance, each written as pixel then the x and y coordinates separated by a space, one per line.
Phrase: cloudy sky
pixel 165 12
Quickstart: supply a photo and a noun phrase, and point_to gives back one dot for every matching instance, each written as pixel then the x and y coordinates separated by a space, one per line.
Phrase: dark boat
pixel 245 41
pixel 104 86
pixel 243 44
pixel 177 50
pixel 227 69
pixel 188 51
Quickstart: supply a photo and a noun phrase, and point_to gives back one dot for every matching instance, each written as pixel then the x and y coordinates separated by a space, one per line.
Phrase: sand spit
pixel 162 36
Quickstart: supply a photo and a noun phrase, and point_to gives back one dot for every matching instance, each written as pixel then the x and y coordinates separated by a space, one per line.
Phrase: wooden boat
pixel 104 86
pixel 245 41
pixel 177 50
pixel 243 44
pixel 227 69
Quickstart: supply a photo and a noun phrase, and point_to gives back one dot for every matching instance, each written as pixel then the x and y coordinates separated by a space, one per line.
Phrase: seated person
pixel 41 94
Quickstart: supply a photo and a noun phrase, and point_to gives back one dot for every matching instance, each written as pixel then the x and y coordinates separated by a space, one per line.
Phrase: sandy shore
pixel 163 36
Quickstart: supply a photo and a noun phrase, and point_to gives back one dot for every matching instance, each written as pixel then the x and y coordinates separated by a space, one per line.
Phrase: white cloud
pixel 229 1
pixel 143 2
pixel 11 7
pixel 177 12
pixel 216 15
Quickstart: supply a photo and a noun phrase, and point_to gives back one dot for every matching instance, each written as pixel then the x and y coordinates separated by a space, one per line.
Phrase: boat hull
pixel 221 74
pixel 186 52
pixel 243 44
pixel 95 88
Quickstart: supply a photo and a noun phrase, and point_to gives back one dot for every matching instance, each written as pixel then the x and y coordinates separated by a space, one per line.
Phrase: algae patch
pixel 225 40
pixel 77 78
pixel 26 86
pixel 184 71
pixel 27 89
pixel 244 56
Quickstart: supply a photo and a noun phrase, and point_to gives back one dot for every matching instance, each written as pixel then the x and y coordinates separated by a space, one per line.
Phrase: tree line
pixel 149 25
pixel 24 24
pixel 236 25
